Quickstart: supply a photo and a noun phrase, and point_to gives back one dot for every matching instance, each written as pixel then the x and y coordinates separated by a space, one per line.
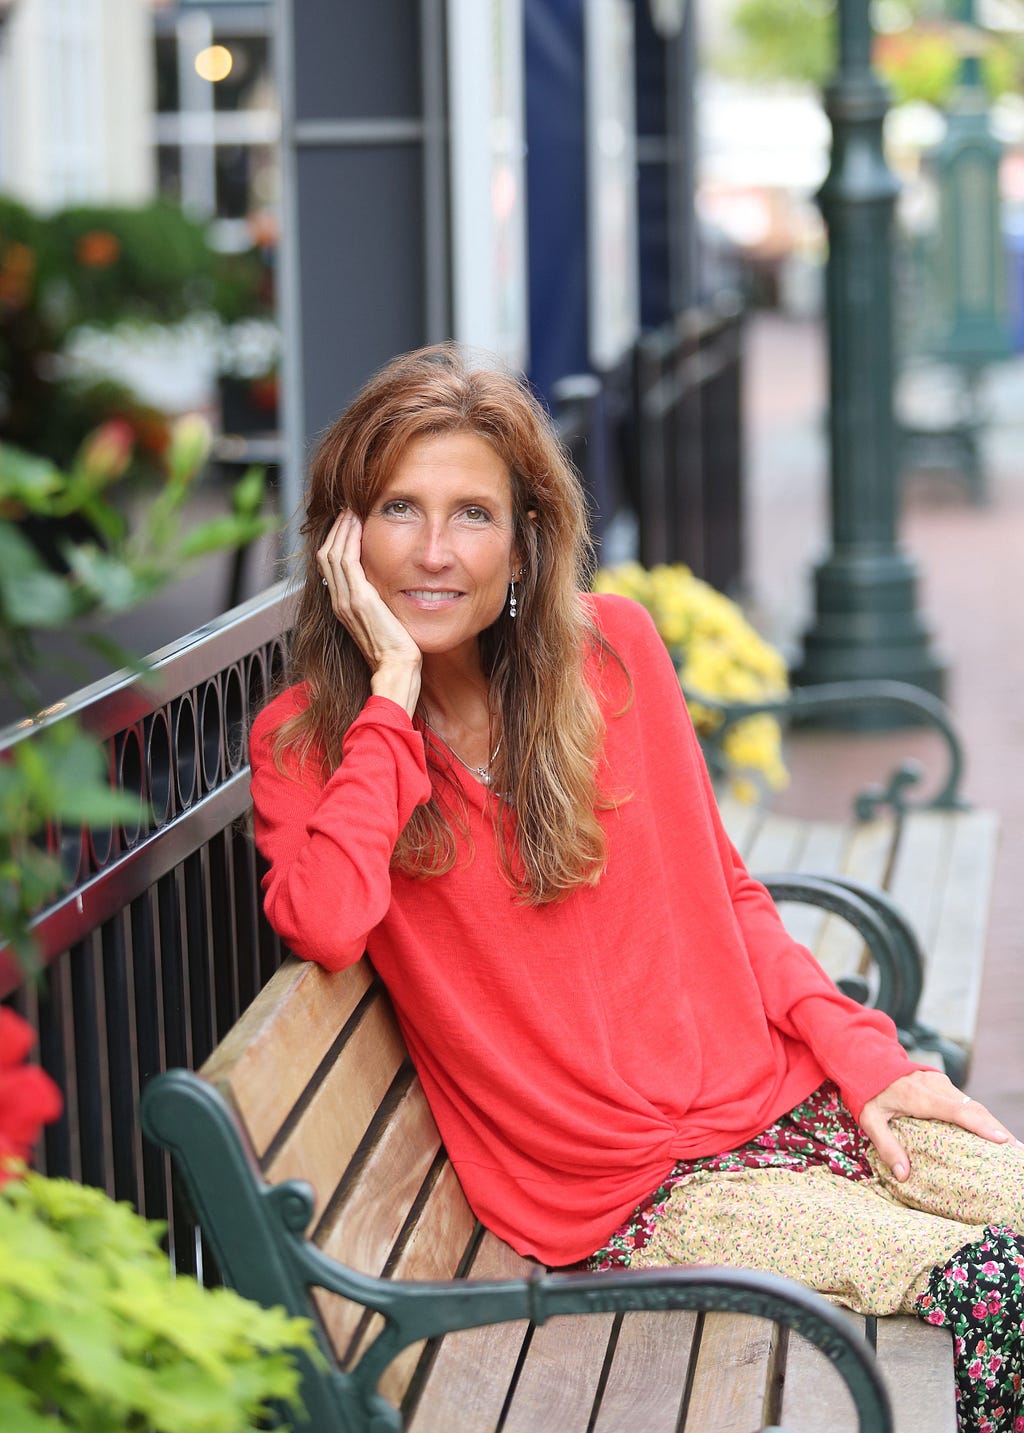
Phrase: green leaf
pixel 60 773
pixel 223 532
pixel 248 493
pixel 19 1409
pixel 28 479
pixel 18 558
pixel 113 585
pixel 40 599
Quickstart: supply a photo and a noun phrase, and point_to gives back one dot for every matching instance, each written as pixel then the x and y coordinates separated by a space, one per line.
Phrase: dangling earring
pixel 512 604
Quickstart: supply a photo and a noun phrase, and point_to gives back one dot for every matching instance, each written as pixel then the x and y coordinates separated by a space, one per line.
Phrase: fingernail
pixel 899 1171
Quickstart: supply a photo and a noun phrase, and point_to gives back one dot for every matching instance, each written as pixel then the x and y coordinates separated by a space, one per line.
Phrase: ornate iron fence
pixel 687 448
pixel 157 941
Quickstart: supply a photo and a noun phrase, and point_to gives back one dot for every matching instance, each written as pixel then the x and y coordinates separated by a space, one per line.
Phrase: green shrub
pixel 96 1335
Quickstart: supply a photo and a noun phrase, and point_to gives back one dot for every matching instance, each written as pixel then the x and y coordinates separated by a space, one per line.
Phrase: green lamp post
pixel 966 320
pixel 972 327
pixel 866 624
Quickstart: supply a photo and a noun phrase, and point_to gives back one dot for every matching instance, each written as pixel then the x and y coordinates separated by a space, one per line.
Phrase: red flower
pixel 28 1097
pixel 98 249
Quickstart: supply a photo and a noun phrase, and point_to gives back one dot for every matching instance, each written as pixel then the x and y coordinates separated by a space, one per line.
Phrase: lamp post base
pixel 866 626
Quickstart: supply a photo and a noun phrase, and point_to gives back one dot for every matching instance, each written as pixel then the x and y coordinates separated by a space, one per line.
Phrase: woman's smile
pixel 432 597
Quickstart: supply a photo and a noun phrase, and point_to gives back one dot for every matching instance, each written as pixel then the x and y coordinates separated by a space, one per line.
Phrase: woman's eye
pixel 476 514
pixel 397 507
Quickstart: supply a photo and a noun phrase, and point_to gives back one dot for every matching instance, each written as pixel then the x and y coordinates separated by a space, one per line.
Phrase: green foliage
pixel 925 65
pixel 102 265
pixel 93 1325
pixel 918 57
pixel 921 68
pixel 57 777
pixel 784 39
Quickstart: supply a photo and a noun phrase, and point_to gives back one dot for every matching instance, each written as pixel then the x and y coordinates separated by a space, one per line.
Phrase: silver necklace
pixel 482 773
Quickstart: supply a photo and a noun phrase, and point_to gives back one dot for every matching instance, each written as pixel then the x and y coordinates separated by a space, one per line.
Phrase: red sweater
pixel 571 1053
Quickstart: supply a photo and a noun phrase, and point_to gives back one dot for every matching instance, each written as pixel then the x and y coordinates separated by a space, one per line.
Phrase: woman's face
pixel 437 541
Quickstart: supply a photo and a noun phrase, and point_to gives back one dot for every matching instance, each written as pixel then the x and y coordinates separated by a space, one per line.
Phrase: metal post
pixel 865 622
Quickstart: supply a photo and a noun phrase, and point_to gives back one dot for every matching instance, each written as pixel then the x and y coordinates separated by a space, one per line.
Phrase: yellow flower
pixel 718 654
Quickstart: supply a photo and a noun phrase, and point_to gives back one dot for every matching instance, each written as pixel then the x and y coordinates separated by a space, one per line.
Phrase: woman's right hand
pixel 394 659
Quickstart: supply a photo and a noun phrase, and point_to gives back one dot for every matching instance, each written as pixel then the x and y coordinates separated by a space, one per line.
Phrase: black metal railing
pixel 157 942
pixel 687 470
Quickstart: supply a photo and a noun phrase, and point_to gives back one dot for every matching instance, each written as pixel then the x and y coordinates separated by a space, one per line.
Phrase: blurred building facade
pixel 517 174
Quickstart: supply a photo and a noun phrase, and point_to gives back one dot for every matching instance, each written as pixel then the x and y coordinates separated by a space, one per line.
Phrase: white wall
pixel 76 96
pixel 485 59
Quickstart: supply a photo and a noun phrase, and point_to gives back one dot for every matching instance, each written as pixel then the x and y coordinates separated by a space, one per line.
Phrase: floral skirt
pixel 809 1198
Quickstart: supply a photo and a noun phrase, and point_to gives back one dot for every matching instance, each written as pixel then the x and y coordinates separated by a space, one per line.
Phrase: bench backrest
pixel 317 1073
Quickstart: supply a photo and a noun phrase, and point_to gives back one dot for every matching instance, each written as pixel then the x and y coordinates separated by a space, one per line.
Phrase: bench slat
pixel 434 1249
pixel 920 871
pixel 952 986
pixel 776 845
pixel 363 1229
pixel 821 849
pixel 325 1137
pixel 866 856
pixel 814 1397
pixel 806 846
pixel 917 1364
pixel 471 1371
pixel 741 820
pixel 268 1057
pixel 647 1377
pixel 733 1373
pixel 561 1375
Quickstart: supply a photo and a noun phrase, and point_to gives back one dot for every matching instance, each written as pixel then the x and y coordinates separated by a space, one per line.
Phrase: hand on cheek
pixel 391 654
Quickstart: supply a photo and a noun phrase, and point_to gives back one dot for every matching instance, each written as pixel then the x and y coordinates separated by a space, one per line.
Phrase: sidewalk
pixel 970 560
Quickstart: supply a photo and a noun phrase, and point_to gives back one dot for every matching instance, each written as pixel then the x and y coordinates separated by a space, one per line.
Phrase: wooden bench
pixel 308 1115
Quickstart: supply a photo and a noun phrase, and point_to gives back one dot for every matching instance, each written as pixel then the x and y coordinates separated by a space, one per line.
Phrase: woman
pixel 490 782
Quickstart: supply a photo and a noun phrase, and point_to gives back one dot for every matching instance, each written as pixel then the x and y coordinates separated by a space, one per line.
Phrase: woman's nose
pixel 435 550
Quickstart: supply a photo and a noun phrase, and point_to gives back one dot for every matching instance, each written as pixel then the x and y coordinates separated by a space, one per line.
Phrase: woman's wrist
pixel 399 682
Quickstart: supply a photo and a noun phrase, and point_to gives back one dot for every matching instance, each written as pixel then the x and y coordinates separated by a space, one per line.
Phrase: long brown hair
pixel 546 721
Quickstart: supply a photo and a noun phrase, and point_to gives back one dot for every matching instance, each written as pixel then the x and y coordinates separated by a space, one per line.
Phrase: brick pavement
pixel 970 560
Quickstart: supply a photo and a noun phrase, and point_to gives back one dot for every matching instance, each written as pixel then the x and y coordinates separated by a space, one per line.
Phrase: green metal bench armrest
pixel 257 1233
pixel 894 947
pixel 832 698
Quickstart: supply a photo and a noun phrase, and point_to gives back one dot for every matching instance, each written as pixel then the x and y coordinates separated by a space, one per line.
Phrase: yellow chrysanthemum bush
pixel 718 655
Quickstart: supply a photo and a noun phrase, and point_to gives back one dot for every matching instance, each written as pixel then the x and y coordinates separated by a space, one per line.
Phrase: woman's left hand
pixel 925 1095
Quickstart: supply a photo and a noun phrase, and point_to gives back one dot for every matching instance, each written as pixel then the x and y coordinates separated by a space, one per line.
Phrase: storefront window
pixel 217 121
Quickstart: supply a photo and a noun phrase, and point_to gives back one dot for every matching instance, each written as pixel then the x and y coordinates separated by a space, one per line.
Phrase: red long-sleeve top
pixel 571 1052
